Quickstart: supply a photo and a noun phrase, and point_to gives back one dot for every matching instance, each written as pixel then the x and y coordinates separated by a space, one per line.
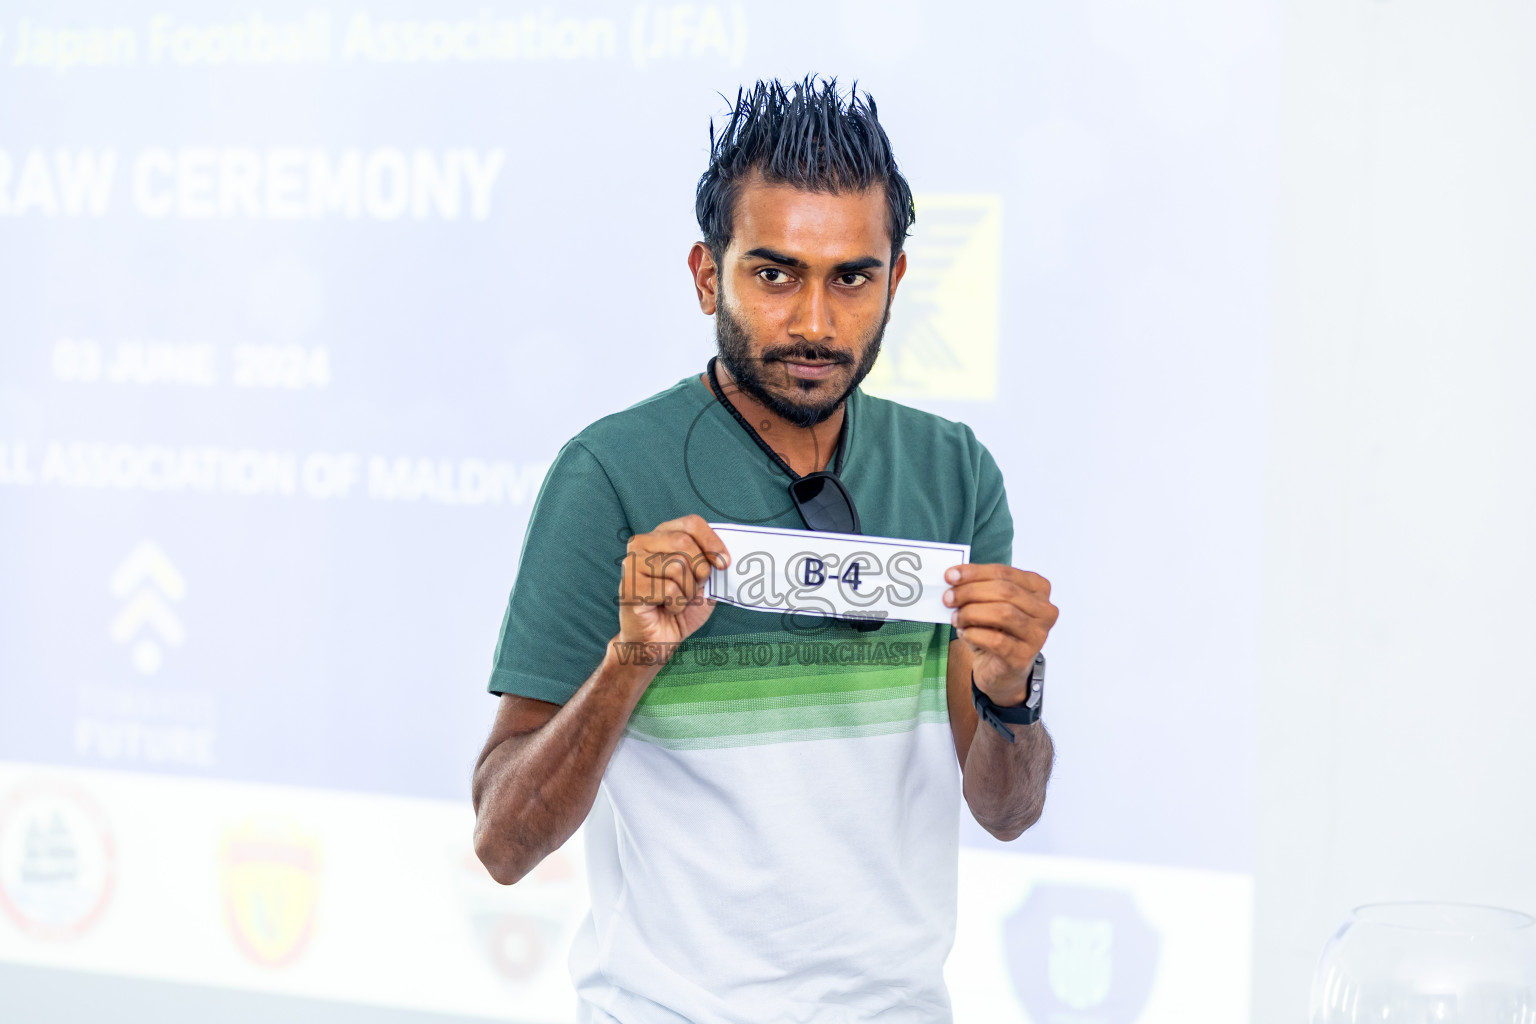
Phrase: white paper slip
pixel 845 575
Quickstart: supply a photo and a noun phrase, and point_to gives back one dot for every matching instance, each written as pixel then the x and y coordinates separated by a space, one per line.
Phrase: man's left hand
pixel 1004 614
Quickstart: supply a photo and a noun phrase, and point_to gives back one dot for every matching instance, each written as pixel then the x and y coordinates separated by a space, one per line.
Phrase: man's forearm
pixel 533 790
pixel 1005 782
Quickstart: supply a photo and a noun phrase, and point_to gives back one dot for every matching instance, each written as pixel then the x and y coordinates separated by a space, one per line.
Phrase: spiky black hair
pixel 803 135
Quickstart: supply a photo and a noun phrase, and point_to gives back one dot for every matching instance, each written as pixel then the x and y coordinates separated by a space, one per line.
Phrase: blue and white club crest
pixel 1082 955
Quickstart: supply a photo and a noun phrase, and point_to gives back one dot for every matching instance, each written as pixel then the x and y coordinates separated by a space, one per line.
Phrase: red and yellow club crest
pixel 271 879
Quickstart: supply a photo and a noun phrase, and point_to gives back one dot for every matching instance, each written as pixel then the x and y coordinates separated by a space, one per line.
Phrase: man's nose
pixel 813 316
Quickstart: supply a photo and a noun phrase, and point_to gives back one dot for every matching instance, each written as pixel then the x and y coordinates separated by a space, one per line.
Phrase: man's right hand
pixel 538 776
pixel 662 586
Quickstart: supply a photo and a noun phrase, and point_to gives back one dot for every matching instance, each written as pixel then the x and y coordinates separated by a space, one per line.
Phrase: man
pixel 774 838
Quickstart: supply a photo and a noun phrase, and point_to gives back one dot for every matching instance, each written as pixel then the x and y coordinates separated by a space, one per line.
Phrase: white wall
pixel 1396 759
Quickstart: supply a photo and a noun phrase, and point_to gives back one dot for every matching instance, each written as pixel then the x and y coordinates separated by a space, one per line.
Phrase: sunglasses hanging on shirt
pixel 823 502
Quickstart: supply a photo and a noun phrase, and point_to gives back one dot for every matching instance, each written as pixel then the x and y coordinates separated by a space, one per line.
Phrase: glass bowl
pixel 1428 963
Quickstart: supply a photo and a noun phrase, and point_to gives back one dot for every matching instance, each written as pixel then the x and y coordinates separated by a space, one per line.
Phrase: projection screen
pixel 297 303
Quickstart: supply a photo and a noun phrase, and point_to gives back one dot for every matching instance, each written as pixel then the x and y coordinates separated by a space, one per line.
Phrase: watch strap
pixel 998 717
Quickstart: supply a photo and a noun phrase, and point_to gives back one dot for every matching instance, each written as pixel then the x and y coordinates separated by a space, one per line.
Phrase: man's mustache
pixel 806 354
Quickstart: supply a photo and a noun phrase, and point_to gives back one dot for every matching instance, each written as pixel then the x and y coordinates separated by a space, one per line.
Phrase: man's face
pixel 801 296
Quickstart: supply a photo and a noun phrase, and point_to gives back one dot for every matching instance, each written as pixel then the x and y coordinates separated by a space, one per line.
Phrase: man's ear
pixel 898 271
pixel 706 276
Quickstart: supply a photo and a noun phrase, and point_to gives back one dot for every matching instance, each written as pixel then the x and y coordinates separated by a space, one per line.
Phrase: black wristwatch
pixel 1027 713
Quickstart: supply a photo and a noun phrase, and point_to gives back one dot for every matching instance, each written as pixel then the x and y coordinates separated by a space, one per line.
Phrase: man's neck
pixel 806 449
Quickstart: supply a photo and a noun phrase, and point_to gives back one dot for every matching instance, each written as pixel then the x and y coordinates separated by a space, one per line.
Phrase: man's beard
pixel 746 369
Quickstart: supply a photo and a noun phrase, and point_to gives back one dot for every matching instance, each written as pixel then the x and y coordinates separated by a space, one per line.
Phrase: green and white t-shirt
pixel 775 838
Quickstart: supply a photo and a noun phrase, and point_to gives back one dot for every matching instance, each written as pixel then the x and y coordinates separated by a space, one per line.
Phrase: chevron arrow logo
pixel 149 583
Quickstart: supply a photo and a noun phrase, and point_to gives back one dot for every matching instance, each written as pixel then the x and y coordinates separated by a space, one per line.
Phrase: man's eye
pixel 773 275
pixel 853 280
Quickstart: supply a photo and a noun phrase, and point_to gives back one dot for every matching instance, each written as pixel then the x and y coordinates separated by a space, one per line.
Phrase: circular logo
pixel 517 928
pixel 58 864
pixel 516 946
